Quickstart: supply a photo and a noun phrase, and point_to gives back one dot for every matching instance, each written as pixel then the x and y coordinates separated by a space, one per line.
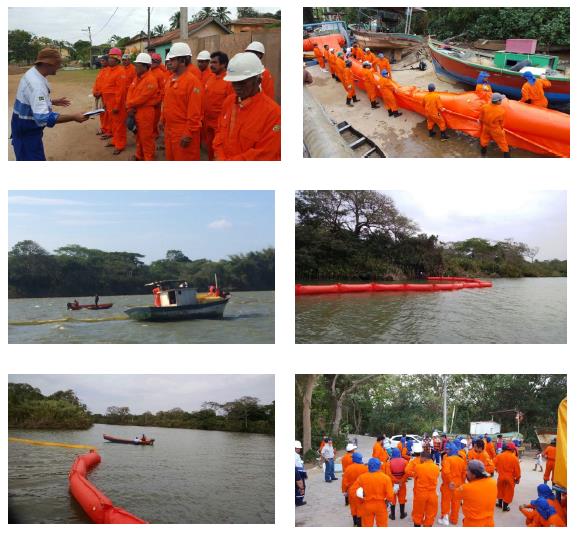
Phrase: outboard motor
pixel 422 65
pixel 520 65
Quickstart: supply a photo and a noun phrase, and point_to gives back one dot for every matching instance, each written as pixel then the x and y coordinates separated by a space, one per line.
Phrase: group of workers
pixel 467 468
pixel 225 106
pixel 378 82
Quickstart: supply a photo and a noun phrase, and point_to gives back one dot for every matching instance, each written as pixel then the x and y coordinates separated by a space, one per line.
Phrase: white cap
pixel 435 434
pixel 204 55
pixel 255 46
pixel 463 441
pixel 332 50
pixel 243 65
pixel 367 49
pixel 178 50
pixel 350 447
pixel 143 58
pixel 298 444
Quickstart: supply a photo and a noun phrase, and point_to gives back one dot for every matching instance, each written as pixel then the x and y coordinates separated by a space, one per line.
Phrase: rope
pixel 51 444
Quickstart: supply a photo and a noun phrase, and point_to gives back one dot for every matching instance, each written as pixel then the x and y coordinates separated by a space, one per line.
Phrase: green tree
pixel 175 21
pixel 158 30
pixel 222 14
pixel 247 12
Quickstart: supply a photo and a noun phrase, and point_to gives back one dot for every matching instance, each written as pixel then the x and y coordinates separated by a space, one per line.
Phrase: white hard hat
pixel 463 441
pixel 255 46
pixel 367 49
pixel 350 447
pixel 332 50
pixel 204 55
pixel 435 434
pixel 143 58
pixel 298 445
pixel 243 65
pixel 178 50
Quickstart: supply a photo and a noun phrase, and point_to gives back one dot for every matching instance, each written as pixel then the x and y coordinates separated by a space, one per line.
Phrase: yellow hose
pixel 52 444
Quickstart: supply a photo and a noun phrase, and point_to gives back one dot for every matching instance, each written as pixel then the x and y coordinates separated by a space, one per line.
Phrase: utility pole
pixel 445 384
pixel 148 27
pixel 90 39
pixel 184 23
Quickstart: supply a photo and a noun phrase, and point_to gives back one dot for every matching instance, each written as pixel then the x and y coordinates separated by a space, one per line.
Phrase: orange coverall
pixel 377 488
pixel 130 70
pixel 425 498
pixel 249 130
pixel 453 471
pixel 386 90
pixel 491 450
pixel 161 78
pixel 319 56
pixel 379 452
pixel 346 461
pixel 339 67
pixel 508 468
pixel 349 478
pixel 397 473
pixel 369 56
pixel 206 75
pixel 550 456
pixel 348 83
pixel 370 85
pixel 216 91
pixel 484 457
pixel 484 91
pixel 331 60
pixel 478 499
pixel 492 121
pixel 182 117
pixel 143 95
pixel 97 91
pixel 432 104
pixel 535 520
pixel 114 88
pixel 268 84
pixel 195 71
pixel 382 63
pixel 535 93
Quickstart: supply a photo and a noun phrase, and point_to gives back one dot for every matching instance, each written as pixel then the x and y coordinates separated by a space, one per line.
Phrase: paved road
pixel 325 503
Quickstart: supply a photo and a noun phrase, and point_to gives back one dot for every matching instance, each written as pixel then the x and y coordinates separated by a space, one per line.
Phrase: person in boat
pixel 387 91
pixel 143 438
pixel 533 90
pixel 432 104
pixel 492 123
pixel 96 300
pixel 483 87
pixel 157 296
pixel 75 303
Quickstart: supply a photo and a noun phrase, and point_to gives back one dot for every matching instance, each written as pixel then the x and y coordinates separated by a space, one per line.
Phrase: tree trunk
pixel 338 416
pixel 307 395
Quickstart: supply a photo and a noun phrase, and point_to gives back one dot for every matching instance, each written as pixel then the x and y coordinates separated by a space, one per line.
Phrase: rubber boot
pixel 402 513
pixel 358 518
pixel 499 503
pixel 346 500
pixel 348 102
pixel 483 151
pixel 417 525
pixel 505 507
pixel 507 154
pixel 432 133
pixel 444 136
pixel 397 114
pixel 355 99
pixel 354 521
pixel 392 514
pixel 374 104
pixel 390 113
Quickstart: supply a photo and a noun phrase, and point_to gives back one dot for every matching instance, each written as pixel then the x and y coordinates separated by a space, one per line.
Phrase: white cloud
pixel 220 224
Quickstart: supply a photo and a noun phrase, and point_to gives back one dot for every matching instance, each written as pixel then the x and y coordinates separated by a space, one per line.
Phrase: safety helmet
pixel 384 73
pixel 435 434
pixel 367 49
pixel 178 50
pixel 255 46
pixel 332 50
pixel 497 97
pixel 243 65
pixel 204 55
pixel 298 444
pixel 350 447
pixel 380 55
pixel 143 57
pixel 156 57
pixel 366 63
pixel 115 52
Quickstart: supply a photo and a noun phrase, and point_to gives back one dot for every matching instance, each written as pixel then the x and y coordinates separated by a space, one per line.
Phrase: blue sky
pixel 203 224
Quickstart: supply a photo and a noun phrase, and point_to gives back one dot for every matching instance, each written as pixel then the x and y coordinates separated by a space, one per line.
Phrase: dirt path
pixel 325 503
pixel 405 136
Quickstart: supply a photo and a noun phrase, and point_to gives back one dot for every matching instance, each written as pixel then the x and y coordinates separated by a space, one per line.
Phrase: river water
pixel 529 311
pixel 249 319
pixel 188 476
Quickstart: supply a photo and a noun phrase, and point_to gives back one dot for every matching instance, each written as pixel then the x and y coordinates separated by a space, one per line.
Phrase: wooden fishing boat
pixel 381 40
pixel 545 435
pixel 496 45
pixel 116 440
pixel 464 65
pixel 75 306
pixel 175 301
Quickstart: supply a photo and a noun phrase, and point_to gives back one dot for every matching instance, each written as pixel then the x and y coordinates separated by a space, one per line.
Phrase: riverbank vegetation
pixel 339 405
pixel 361 235
pixel 74 270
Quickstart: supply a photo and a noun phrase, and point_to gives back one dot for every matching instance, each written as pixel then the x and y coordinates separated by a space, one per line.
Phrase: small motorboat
pixel 148 442
pixel 174 300
pixel 78 306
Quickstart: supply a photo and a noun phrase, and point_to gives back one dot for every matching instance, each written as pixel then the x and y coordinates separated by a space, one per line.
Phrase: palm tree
pixel 159 30
pixel 175 20
pixel 205 13
pixel 222 15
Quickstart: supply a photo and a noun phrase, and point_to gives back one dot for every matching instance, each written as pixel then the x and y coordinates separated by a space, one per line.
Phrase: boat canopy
pixel 168 284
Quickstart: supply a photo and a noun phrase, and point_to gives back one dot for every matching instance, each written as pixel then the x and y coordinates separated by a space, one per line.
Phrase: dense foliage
pixel 243 415
pixel 74 270
pixel 28 408
pixel 361 235
pixel 393 404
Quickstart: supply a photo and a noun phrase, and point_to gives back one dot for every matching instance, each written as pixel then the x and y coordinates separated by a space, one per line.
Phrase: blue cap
pixel 374 464
pixel 395 454
pixel 384 73
pixel 431 87
pixel 544 491
pixel 357 458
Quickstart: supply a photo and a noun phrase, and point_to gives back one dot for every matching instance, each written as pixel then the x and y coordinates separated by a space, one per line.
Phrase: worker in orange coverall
pixel 368 55
pixel 350 475
pixel 370 84
pixel 379 451
pixel 432 104
pixel 216 91
pixel 381 63
pixel 540 514
pixel 478 496
pixel 533 90
pixel 347 459
pixel 114 88
pixel 267 81
pixel 479 453
pixel 492 122
pixel 339 66
pixel 397 466
pixel 349 84
pixel 105 130
pixel 182 108
pixel 549 455
pixel 161 76
pixel 319 56
pixel 374 489
pixel 204 65
pixel 250 123
pixel 425 498
pixel 332 58
pixel 453 477
pixel 508 468
pixel 529 510
pixel 129 68
pixel 483 87
pixel 386 90
pixel 143 95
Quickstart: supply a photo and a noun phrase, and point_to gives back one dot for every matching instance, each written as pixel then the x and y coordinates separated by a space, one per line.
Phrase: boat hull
pixel 214 310
pixel 333 40
pixel 116 440
pixel 104 306
pixel 386 40
pixel 507 82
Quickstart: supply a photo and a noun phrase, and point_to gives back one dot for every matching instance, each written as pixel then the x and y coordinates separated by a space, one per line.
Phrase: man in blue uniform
pixel 33 107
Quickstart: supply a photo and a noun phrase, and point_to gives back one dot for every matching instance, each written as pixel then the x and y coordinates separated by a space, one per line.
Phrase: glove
pixel 359 493
pixel 396 488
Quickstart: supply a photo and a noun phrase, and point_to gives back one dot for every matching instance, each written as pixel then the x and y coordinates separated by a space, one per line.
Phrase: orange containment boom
pixel 95 504
pixel 535 129
pixel 334 40
pixel 438 284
